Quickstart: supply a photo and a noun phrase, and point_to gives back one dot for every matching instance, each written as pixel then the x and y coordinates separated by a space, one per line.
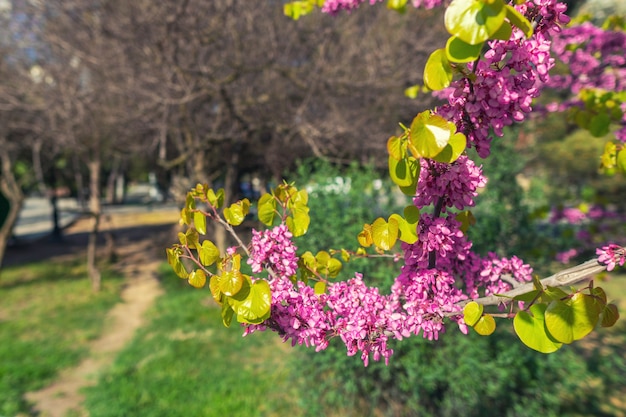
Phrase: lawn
pixel 185 363
pixel 48 315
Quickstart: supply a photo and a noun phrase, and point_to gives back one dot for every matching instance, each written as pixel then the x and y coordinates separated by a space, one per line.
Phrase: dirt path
pixel 138 262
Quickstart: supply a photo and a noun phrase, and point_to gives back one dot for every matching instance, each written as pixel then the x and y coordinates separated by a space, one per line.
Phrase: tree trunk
pixel 95 209
pixel 13 193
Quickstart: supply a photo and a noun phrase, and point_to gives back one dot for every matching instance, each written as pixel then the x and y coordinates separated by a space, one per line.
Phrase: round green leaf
pixel 610 315
pixel 486 325
pixel 530 328
pixel 461 52
pixel 504 33
pixel 214 286
pixel 395 148
pixel 474 21
pixel 385 234
pixel 253 303
pixel 320 287
pixel 573 319
pixel 267 209
pixel 216 200
pixel 518 20
pixel 230 282
pixel 365 236
pixel 173 258
pixel 403 172
pixel 197 278
pixel 408 231
pixel 437 71
pixel 227 314
pixel 429 134
pixel 208 253
pixel 599 125
pixel 454 149
pixel 199 221
pixel 472 312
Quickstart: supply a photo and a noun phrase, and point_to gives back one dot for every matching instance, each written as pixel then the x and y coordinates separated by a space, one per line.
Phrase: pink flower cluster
pixel 336 6
pixel 273 249
pixel 507 79
pixel 456 183
pixel 611 255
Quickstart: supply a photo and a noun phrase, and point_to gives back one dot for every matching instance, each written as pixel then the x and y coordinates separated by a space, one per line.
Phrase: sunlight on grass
pixel 47 316
pixel 185 363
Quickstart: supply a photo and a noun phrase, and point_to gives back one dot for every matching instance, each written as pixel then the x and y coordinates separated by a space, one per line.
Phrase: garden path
pixel 137 251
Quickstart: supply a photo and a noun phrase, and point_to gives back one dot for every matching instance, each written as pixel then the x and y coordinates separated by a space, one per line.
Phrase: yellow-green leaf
pixel 227 314
pixel 197 278
pixel 518 20
pixel 395 148
pixel 573 319
pixel 230 282
pixel 472 312
pixel 408 231
pixel 208 253
pixel 267 209
pixel 214 286
pixel 365 236
pixel 437 71
pixel 320 287
pixel 486 325
pixel 216 200
pixel 252 304
pixel 454 149
pixel 530 328
pixel 173 258
pixel 429 134
pixel 610 315
pixel 474 21
pixel 385 234
pixel 404 172
pixel 461 52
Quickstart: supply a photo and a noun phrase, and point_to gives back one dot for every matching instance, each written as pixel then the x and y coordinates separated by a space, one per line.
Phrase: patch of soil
pixel 139 249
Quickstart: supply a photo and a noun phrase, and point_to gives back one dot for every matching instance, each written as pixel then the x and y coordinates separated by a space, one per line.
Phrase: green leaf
pixel 173 258
pixel 214 286
pixel 237 212
pixel 599 125
pixel 298 223
pixel 185 216
pixel 610 315
pixel 320 287
pixel 216 200
pixel 467 219
pixel 190 202
pixel 573 319
pixel 397 5
pixel 412 92
pixel 519 21
pixel 461 52
pixel 404 172
pixel 429 134
pixel 527 297
pixel 208 253
pixel 199 221
pixel 385 234
pixel 267 209
pixel 230 282
pixel 192 238
pixel 504 33
pixel 621 161
pixel 365 236
pixel 437 71
pixel 252 304
pixel 197 278
pixel 555 293
pixel 474 21
pixel 227 314
pixel 408 231
pixel 454 149
pixel 395 148
pixel 472 312
pixel 297 9
pixel 334 267
pixel 486 325
pixel 530 328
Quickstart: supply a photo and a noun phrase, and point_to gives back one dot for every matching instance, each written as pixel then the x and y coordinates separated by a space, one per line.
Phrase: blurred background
pixel 111 110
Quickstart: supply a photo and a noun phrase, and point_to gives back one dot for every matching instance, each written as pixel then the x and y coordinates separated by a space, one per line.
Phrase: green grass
pixel 185 363
pixel 48 315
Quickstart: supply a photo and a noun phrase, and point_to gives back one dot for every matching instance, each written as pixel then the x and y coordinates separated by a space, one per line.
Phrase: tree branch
pixel 569 276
